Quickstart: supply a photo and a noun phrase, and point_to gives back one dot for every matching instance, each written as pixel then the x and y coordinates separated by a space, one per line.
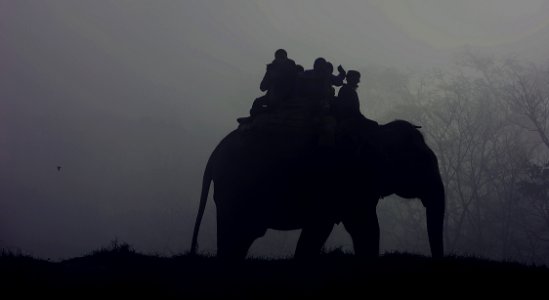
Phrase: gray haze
pixel 130 98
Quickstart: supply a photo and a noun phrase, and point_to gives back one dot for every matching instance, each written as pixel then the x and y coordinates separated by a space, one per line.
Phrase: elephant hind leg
pixel 312 239
pixel 364 231
pixel 234 247
pixel 234 239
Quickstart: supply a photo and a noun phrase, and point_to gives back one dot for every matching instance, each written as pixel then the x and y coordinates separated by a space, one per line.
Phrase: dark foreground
pixel 122 272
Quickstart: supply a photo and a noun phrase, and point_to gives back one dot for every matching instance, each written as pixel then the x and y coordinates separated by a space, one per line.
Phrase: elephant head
pixel 410 170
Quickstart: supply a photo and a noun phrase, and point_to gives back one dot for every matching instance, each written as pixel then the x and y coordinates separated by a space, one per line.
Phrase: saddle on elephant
pixel 293 116
pixel 298 118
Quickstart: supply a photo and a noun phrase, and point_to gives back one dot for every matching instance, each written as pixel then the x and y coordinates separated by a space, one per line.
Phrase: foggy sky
pixel 130 98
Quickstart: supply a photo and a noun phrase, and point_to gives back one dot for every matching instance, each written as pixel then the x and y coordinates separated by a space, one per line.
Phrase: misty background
pixel 131 97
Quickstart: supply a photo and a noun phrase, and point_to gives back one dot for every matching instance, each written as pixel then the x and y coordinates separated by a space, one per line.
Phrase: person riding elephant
pixel 278 83
pixel 279 78
pixel 347 104
pixel 315 87
pixel 335 80
pixel 276 71
pixel 346 108
pixel 316 84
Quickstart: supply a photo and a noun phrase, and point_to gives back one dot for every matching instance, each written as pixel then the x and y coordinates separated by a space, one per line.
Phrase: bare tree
pixel 526 92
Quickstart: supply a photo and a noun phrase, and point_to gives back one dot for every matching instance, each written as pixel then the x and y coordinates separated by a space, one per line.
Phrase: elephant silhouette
pixel 286 181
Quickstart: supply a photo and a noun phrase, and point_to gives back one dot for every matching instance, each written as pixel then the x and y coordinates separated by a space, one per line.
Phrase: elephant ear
pixel 360 128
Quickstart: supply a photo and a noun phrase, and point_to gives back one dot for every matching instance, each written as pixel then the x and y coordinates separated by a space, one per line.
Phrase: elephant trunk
pixel 435 223
pixel 435 206
pixel 434 201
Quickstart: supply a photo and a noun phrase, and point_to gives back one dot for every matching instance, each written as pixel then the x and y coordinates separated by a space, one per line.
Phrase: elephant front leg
pixel 312 239
pixel 363 227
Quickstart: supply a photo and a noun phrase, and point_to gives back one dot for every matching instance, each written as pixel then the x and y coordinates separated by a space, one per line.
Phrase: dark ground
pixel 121 272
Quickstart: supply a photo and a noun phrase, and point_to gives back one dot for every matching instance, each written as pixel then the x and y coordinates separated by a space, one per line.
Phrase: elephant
pixel 286 181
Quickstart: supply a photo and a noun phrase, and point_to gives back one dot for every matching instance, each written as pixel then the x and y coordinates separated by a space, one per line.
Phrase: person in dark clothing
pixel 279 78
pixel 346 110
pixel 278 81
pixel 336 80
pixel 300 69
pixel 314 85
pixel 347 104
pixel 319 81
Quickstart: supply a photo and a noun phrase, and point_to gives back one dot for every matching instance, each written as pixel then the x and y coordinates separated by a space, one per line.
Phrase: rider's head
pixel 353 77
pixel 281 54
pixel 319 65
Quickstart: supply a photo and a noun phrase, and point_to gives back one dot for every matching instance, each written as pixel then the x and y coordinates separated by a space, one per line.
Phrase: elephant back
pixel 292 118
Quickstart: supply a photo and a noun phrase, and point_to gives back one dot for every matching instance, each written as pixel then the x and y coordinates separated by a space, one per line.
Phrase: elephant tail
pixel 206 181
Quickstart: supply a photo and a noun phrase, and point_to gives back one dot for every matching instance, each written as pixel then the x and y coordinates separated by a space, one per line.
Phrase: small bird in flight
pixel 58 168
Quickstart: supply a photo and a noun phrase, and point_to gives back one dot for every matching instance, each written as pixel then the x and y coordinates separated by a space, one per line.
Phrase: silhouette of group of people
pixel 285 81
